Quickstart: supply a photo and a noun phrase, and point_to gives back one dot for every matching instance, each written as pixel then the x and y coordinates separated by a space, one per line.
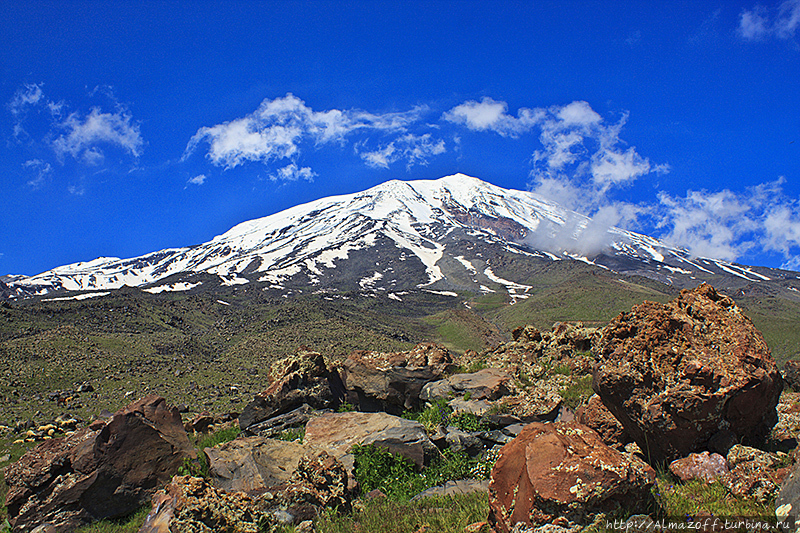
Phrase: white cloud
pixel 782 228
pixel 414 149
pixel 278 128
pixel 84 133
pixel 491 115
pixel 611 168
pixel 758 23
pixel 788 19
pixel 293 173
pixel 583 158
pixel 709 224
pixel 727 224
pixel 26 96
pixel 198 180
pixel 41 170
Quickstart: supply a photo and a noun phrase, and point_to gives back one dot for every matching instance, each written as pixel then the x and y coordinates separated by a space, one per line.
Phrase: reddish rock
pixel 597 416
pixel 562 470
pixel 98 473
pixel 705 466
pixel 675 374
pixel 320 482
pixel 393 381
pixel 791 374
pixel 754 474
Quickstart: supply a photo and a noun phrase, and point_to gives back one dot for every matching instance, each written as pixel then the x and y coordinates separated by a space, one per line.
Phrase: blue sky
pixel 129 127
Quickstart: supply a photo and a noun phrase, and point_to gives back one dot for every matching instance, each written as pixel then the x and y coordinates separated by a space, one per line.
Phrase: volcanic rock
pixel 705 466
pixel 319 482
pixel 192 504
pixel 336 433
pixel 485 384
pixel 392 382
pixel 253 464
pixel 675 374
pixel 106 470
pixel 296 380
pixel 754 474
pixel 562 471
pixel 791 374
pixel 597 416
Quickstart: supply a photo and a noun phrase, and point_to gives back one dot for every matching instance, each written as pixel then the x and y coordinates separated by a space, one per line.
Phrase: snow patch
pixel 79 297
pixel 466 263
pixel 369 282
pixel 442 293
pixel 172 287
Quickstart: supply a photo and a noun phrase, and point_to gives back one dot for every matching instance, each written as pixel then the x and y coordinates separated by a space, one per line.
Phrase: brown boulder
pixel 103 471
pixel 320 482
pixel 597 416
pixel 754 474
pixel 392 381
pixel 562 471
pixel 675 374
pixel 791 374
pixel 300 379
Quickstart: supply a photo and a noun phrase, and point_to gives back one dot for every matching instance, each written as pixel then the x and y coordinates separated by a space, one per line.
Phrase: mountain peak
pixel 446 234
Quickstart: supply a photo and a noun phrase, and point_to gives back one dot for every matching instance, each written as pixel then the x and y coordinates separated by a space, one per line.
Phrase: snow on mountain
pixel 397 229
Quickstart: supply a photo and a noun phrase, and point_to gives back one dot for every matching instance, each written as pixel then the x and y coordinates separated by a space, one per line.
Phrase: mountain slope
pixel 452 234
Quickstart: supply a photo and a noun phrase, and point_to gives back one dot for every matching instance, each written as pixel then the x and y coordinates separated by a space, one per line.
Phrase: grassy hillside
pixel 213 351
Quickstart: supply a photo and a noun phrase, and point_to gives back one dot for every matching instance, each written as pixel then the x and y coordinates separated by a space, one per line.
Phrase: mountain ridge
pixel 438 235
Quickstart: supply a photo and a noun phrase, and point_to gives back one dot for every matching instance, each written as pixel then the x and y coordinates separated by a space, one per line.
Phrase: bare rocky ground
pixel 690 384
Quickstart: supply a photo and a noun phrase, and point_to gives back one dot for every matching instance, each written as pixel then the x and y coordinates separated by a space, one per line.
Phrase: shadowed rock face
pixel 675 374
pixel 102 471
pixel 562 471
pixel 300 379
pixel 392 382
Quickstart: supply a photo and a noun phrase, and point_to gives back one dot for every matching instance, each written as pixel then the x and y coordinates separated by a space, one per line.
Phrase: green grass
pixel 199 467
pixel 128 524
pixel 435 515
pixel 696 497
pixel 397 477
pixel 577 393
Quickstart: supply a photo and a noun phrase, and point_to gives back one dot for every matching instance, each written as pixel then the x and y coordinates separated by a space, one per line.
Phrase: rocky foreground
pixel 689 384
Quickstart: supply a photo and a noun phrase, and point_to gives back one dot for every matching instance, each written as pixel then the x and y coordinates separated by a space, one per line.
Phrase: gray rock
pixel 252 464
pixel 486 384
pixel 461 486
pixel 337 433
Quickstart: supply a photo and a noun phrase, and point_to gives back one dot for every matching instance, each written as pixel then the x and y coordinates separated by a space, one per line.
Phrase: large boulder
pixel 253 464
pixel 597 416
pixel 562 471
pixel 675 374
pixel 103 471
pixel 320 482
pixel 392 382
pixel 545 365
pixel 303 378
pixel 485 384
pixel 337 433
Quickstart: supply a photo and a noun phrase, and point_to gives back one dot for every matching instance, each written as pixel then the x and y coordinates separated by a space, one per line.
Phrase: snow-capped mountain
pixel 447 235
